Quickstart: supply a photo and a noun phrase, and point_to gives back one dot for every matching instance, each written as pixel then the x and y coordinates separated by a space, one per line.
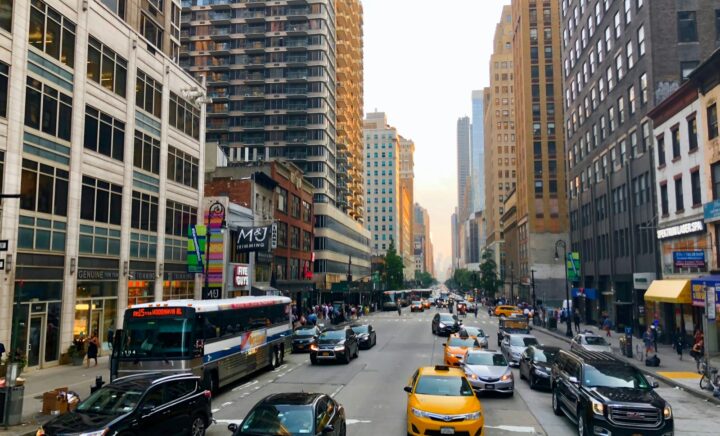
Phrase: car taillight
pixel 208 394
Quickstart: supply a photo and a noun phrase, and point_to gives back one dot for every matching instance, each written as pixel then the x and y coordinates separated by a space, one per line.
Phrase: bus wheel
pixel 273 358
pixel 211 381
pixel 281 360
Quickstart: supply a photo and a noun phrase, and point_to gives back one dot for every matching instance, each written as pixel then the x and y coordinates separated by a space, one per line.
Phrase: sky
pixel 422 60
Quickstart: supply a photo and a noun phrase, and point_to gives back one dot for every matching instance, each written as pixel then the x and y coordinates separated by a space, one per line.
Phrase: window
pixel 631 100
pixel 687 26
pixel 641 40
pixel 664 199
pixel 282 202
pixel 144 212
pixel 47 110
pixel 610 79
pixel 621 110
pixel 106 67
pixel 151 31
pixel 178 218
pixel 52 33
pixel 619 67
pixel 695 186
pixel 184 116
pixel 148 94
pixel 643 88
pixel 282 234
pixel 295 207
pixel 712 121
pixel 679 206
pixel 692 133
pixel 617 25
pixel 147 152
pixel 4 73
pixel 675 137
pixel 101 201
pixel 661 150
pixel 117 6
pixel 645 135
pixel 294 238
pixel 43 188
pixel 715 169
pixel 629 55
pixel 6 11
pixel 686 68
pixel 104 134
pixel 182 167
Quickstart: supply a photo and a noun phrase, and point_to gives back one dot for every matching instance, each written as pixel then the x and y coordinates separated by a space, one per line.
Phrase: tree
pixel 424 278
pixel 489 280
pixel 393 268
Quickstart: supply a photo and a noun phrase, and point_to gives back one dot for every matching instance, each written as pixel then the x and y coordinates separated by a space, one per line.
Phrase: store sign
pixel 254 239
pixel 96 274
pixel 241 275
pixel 681 229
pixel 142 275
pixel 711 211
pixel 689 259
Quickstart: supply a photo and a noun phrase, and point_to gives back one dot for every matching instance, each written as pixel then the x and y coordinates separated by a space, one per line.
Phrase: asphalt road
pixel 371 387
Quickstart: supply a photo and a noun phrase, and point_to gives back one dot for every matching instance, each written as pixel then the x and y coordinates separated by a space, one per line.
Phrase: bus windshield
pixel 153 338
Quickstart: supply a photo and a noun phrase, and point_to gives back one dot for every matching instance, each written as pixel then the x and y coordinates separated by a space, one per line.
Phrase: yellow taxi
pixel 441 401
pixel 456 347
pixel 507 311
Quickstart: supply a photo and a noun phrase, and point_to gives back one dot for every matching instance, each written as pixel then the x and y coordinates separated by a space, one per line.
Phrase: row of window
pixel 292 239
pixel 695 189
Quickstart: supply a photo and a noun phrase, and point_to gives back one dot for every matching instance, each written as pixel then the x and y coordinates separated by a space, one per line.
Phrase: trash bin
pixel 11 402
pixel 628 351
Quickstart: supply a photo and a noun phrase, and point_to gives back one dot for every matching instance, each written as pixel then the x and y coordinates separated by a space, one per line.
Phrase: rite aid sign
pixel 240 276
pixel 681 229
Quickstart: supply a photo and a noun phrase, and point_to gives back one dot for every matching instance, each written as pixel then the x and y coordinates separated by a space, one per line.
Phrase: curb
pixel 695 392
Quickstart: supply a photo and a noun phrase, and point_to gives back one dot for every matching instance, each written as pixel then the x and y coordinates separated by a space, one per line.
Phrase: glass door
pixel 96 323
pixel 35 340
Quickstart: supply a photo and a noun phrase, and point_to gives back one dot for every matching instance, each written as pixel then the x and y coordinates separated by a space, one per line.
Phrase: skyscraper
pixel 407 200
pixel 464 162
pixel 477 169
pixel 541 191
pixel 423 245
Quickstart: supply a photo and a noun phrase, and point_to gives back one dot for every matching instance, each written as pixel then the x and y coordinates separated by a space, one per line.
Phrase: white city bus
pixel 219 340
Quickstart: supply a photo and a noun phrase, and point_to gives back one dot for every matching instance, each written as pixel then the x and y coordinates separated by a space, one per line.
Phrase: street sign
pixel 3 245
pixel 710 300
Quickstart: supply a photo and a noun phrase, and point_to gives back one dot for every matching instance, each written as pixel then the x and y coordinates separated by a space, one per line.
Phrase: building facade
pixel 477 139
pixel 619 60
pixel 464 166
pixel 423 243
pixel 349 74
pixel 105 151
pixel 541 188
pixel 499 121
pixel 455 241
pixel 407 201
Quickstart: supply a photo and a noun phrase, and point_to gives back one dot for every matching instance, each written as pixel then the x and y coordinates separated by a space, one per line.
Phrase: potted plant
pixel 76 354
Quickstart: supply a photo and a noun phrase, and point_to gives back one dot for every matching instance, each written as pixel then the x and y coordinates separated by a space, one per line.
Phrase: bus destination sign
pixel 144 312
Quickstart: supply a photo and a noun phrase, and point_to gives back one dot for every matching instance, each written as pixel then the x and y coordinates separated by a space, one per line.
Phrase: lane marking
pixel 513 428
pixel 243 386
pixel 228 421
pixel 225 404
pixel 215 410
pixel 337 391
pixel 356 421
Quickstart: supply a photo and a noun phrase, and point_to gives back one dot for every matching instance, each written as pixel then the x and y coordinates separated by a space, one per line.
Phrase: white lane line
pixel 356 421
pixel 225 404
pixel 215 410
pixel 228 421
pixel 337 391
pixel 512 428
pixel 246 385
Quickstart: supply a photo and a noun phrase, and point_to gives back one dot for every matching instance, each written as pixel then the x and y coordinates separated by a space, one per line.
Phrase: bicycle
pixel 710 380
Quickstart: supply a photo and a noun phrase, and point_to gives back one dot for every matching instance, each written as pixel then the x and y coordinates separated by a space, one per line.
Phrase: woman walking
pixel 679 342
pixel 92 352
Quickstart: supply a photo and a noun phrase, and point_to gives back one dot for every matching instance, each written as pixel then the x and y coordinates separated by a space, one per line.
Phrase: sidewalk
pixel 75 378
pixel 672 371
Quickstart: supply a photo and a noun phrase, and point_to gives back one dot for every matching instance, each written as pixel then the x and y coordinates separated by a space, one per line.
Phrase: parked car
pixel 339 343
pixel 367 338
pixel 445 324
pixel 605 395
pixel 149 403
pixel 536 364
pixel 590 342
pixel 304 337
pixel 513 345
pixel 488 371
pixel 292 414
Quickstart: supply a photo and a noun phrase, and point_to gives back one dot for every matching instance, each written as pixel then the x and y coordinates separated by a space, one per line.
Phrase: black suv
pixel 139 404
pixel 445 324
pixel 339 343
pixel 604 395
pixel 303 338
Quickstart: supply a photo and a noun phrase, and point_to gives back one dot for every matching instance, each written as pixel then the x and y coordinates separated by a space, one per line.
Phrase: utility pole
pixel 532 283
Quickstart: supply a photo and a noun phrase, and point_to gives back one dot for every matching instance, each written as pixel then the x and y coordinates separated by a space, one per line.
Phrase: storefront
pixel 705 292
pixel 178 284
pixel 96 304
pixel 238 284
pixel 670 303
pixel 586 301
pixel 141 282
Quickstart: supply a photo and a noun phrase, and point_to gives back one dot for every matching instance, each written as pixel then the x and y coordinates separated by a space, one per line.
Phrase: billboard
pixel 255 238
pixel 573 266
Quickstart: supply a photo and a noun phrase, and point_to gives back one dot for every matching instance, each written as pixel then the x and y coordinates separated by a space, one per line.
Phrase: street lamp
pixel 562 243
pixel 216 210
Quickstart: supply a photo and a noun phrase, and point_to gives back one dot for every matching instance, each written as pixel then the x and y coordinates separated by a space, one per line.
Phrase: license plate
pixel 326 354
pixel 447 430
pixel 489 386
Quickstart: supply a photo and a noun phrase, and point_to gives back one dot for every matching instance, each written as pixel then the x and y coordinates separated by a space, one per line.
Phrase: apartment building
pixel 103 146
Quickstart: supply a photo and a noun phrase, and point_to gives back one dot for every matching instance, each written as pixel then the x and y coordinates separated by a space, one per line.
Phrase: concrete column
pixel 162 196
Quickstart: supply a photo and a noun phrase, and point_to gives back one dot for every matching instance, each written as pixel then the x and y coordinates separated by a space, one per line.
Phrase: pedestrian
pixel 576 320
pixel 679 342
pixel 648 341
pixel 92 349
pixel 655 333
pixel 399 307
pixel 476 310
pixel 607 325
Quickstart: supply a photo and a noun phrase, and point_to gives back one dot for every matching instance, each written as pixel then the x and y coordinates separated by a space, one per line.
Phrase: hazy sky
pixel 422 61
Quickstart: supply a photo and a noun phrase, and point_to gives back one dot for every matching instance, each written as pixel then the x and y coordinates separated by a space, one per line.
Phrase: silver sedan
pixel 477 333
pixel 488 371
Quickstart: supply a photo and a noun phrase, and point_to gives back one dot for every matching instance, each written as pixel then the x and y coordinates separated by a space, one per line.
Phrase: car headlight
pixel 598 407
pixel 506 377
pixel 314 347
pixel 472 376
pixel 339 347
pixel 420 413
pixel 472 416
pixel 667 412
pixel 441 325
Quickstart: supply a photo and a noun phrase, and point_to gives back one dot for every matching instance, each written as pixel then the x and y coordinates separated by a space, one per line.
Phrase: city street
pixel 371 387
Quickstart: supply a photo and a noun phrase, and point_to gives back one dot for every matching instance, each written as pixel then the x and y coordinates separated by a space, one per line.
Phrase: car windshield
pixel 447 318
pixel 459 342
pixel 614 376
pixel 360 329
pixel 546 356
pixel 111 401
pixel 517 341
pixel 486 359
pixel 474 331
pixel 333 334
pixel 305 332
pixel 443 385
pixel 150 338
pixel 279 420
pixel 595 340
pixel 417 303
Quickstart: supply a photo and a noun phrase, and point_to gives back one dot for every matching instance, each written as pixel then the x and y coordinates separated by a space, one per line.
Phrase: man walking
pixel 576 319
pixel 475 309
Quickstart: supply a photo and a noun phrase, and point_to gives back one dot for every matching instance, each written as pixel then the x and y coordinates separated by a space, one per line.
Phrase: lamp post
pixel 562 243
pixel 216 210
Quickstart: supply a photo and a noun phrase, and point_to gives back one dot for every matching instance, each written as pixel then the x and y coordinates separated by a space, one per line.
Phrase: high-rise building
pixel 423 244
pixel 102 138
pixel 541 190
pixel 350 171
pixel 477 170
pixel 620 60
pixel 271 70
pixel 407 200
pixel 464 160
pixel 500 177
pixel 455 241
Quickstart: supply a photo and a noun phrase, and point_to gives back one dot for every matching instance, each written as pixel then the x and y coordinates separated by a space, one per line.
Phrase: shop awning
pixel 669 291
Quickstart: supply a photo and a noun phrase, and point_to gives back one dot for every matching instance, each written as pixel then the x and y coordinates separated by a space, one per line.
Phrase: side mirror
pixel 233 427
pixel 328 429
pixel 408 389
